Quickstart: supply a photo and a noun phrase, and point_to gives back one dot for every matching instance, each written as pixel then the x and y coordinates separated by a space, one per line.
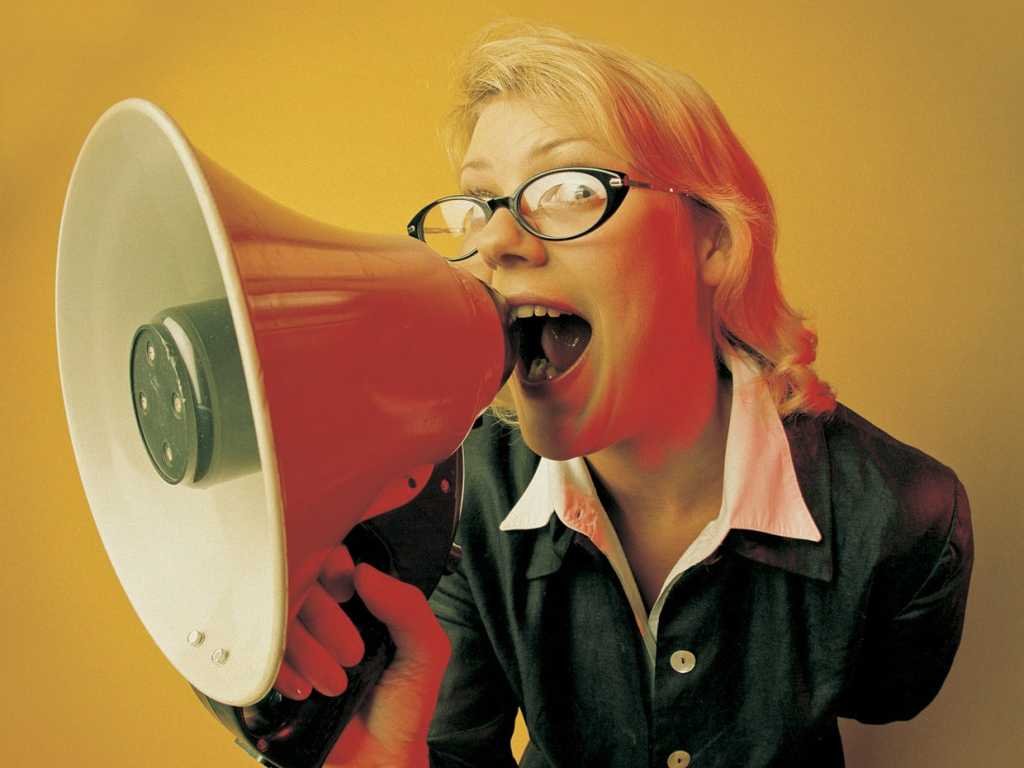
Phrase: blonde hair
pixel 667 127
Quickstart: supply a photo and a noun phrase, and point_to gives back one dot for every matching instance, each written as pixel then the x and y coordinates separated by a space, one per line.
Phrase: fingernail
pixel 339 682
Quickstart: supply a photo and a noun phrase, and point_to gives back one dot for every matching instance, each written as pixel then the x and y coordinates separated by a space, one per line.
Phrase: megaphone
pixel 246 387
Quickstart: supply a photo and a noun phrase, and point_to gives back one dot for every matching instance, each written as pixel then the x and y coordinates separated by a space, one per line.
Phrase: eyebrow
pixel 541 149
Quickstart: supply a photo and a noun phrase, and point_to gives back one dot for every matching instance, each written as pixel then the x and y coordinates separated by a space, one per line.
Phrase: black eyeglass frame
pixel 616 184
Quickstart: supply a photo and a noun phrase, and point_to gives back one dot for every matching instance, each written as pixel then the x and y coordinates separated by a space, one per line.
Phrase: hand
pixel 321 640
pixel 391 728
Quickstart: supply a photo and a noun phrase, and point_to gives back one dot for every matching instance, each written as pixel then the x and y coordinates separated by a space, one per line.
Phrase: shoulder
pixel 865 459
pixel 498 467
pixel 893 505
pixel 870 466
pixel 497 459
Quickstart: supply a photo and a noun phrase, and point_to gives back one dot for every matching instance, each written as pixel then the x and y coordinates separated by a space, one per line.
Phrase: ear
pixel 713 251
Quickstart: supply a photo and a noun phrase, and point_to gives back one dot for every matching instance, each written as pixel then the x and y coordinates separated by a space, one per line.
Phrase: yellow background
pixel 886 131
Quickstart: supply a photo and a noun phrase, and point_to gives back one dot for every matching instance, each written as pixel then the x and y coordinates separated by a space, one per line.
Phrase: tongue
pixel 563 340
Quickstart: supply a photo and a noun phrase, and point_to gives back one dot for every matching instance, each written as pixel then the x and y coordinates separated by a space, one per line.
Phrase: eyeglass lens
pixel 559 205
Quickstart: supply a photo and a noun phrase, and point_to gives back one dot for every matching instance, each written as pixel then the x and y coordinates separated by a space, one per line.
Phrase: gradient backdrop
pixel 887 134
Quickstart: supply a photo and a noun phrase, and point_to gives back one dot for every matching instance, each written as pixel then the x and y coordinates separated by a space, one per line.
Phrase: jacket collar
pixel 799 542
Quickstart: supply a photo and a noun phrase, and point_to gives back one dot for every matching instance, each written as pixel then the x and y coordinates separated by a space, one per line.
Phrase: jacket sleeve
pixel 907 654
pixel 476 709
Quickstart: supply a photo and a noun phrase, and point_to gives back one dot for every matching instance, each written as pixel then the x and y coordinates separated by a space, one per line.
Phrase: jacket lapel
pixel 549 547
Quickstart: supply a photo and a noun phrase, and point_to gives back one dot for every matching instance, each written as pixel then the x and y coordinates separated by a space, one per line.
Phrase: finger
pixel 313 662
pixel 291 684
pixel 336 574
pixel 331 627
pixel 418 637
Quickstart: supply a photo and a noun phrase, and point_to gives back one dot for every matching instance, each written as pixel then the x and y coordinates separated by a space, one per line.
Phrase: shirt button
pixel 683 661
pixel 679 759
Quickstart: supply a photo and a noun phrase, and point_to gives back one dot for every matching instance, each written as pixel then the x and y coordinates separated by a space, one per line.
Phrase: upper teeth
pixel 534 310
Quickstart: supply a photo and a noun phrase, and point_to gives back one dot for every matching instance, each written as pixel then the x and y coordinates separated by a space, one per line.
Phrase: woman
pixel 713 560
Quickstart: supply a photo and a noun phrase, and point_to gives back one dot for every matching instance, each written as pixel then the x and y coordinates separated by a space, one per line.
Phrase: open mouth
pixel 550 342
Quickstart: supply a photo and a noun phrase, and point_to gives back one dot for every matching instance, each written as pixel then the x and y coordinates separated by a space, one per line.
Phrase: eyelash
pixel 486 194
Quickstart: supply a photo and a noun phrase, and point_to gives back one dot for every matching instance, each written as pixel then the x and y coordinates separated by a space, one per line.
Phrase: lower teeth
pixel 541 369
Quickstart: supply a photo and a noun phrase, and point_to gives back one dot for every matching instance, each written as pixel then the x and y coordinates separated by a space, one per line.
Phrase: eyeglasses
pixel 560 204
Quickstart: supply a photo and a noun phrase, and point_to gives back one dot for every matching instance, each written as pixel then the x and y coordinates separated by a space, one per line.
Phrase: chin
pixel 559 439
pixel 561 425
pixel 544 438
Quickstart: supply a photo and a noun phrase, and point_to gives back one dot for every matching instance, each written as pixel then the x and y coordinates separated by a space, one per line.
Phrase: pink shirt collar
pixel 760 488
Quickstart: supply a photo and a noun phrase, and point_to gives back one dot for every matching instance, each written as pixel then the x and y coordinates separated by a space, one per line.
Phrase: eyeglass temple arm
pixel 656 188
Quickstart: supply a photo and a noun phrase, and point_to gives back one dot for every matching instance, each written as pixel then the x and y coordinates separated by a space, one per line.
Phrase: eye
pixel 567 194
pixel 563 193
pixel 452 217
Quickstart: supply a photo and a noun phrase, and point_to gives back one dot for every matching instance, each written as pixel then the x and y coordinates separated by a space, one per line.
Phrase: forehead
pixel 515 137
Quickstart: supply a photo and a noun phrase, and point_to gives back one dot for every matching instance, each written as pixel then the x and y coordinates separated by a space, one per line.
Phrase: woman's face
pixel 634 281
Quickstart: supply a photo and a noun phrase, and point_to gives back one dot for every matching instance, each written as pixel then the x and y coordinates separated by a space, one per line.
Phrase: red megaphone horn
pixel 244 385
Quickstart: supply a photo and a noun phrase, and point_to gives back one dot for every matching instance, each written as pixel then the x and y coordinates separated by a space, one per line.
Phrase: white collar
pixel 760 491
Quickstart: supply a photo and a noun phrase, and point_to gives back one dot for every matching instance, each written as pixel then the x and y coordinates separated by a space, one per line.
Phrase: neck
pixel 673 473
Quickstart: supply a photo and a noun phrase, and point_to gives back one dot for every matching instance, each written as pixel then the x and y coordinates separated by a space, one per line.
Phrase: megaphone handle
pixel 336 712
pixel 283 733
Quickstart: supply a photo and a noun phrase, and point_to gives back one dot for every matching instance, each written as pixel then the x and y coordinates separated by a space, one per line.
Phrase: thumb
pixel 420 642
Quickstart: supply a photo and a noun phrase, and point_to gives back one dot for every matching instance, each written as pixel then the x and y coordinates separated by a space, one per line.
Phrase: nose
pixel 504 244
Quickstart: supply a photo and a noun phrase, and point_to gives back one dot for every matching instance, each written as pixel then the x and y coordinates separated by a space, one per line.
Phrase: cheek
pixel 477 268
pixel 653 332
pixel 652 246
pixel 655 293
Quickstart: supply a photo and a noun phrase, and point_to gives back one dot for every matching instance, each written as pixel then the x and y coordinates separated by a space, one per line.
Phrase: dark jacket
pixel 787 635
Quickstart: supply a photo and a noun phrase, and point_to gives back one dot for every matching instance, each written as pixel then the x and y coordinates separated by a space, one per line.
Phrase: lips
pixel 550 340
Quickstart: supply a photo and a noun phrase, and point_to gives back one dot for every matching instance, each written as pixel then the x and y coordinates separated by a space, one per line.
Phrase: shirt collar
pixel 773 477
